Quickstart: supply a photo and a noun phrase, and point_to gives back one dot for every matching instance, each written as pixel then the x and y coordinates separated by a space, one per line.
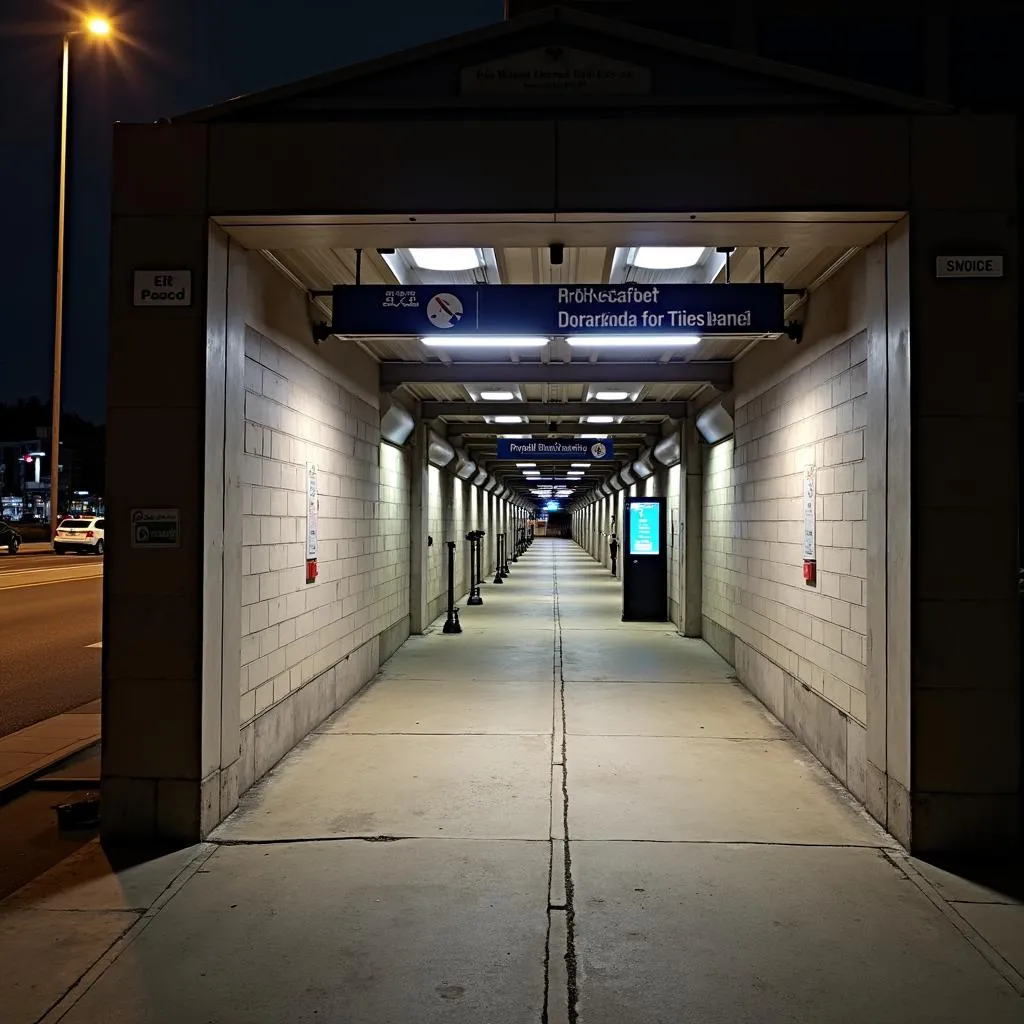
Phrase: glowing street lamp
pixel 99 27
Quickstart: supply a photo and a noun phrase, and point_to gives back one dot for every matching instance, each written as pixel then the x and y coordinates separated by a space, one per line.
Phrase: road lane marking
pixel 50 583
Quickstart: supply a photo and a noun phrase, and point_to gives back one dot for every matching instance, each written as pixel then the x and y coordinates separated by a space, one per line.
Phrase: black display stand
pixel 644 561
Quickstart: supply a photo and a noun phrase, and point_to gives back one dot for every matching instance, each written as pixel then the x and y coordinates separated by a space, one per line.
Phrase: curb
pixel 38 748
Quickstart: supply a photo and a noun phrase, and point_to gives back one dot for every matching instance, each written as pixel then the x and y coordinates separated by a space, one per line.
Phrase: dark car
pixel 9 537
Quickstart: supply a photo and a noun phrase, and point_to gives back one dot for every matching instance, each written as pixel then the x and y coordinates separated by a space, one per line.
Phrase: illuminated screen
pixel 552 506
pixel 645 528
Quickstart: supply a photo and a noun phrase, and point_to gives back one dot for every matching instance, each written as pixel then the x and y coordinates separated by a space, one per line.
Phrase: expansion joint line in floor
pixel 561 940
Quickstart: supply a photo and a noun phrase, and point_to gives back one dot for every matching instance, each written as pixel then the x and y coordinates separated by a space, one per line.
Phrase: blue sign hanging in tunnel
pixel 542 310
pixel 595 449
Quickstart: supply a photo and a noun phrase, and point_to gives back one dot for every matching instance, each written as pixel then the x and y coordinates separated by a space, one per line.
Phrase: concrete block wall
pixel 331 633
pixel 803 650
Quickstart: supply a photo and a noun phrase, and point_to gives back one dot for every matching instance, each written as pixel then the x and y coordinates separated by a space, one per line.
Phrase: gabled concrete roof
pixel 616 32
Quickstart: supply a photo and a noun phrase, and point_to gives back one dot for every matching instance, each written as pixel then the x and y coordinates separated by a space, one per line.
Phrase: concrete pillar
pixel 957 357
pixel 419 530
pixel 691 518
pixel 172 629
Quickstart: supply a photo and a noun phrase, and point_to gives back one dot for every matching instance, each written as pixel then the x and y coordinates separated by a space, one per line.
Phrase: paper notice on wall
pixel 312 511
pixel 809 539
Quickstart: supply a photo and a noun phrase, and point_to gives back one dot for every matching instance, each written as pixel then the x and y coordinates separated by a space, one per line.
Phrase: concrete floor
pixel 410 860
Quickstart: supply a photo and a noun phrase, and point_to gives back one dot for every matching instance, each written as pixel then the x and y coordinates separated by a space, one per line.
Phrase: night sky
pixel 179 55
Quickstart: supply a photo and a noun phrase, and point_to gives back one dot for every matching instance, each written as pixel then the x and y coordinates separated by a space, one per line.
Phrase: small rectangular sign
pixel 968 266
pixel 593 449
pixel 162 288
pixel 809 520
pixel 545 310
pixel 155 528
pixel 312 512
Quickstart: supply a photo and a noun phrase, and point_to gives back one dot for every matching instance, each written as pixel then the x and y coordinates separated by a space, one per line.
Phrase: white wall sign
pixel 162 288
pixel 312 512
pixel 809 529
pixel 968 266
pixel 155 528
pixel 556 69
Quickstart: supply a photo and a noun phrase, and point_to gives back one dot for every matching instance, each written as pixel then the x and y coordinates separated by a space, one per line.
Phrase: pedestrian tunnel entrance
pixel 378 363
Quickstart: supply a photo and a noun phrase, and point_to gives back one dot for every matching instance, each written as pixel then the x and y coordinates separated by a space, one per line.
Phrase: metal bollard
pixel 474 537
pixel 497 558
pixel 451 624
pixel 504 554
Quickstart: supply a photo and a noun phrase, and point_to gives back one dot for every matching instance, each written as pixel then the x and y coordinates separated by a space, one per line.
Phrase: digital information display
pixel 645 528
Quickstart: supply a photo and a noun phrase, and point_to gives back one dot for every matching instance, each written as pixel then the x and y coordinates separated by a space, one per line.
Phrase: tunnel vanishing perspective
pixel 363 319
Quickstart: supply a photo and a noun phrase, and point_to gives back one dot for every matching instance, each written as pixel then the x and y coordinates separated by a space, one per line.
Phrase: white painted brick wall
pixel 292 632
pixel 753 526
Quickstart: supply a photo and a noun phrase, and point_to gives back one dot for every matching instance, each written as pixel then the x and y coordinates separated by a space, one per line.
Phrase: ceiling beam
pixel 717 372
pixel 571 429
pixel 552 410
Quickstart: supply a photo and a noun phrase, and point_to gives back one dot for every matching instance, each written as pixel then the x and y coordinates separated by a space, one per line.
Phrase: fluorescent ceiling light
pixel 446 259
pixel 592 437
pixel 581 465
pixel 612 396
pixel 509 419
pixel 633 340
pixel 666 257
pixel 599 419
pixel 497 396
pixel 575 473
pixel 525 465
pixel 482 341
pixel 517 437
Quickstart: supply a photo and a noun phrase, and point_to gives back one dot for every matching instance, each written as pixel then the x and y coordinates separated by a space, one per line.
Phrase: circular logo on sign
pixel 598 450
pixel 444 310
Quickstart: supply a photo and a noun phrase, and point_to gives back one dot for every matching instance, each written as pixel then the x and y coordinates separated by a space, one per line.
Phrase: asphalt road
pixel 50 612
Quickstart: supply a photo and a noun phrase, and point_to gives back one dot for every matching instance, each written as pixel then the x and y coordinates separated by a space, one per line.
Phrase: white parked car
pixel 85 534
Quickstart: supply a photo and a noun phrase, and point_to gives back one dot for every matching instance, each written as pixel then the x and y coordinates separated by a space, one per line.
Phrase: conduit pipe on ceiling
pixel 465 467
pixel 439 451
pixel 396 422
pixel 714 423
pixel 667 451
pixel 644 467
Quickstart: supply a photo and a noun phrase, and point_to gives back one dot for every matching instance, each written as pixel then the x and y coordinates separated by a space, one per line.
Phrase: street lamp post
pixel 98 27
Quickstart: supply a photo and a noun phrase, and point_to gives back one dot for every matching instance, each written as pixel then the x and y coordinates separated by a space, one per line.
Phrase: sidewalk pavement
pixel 550 816
pixel 30 752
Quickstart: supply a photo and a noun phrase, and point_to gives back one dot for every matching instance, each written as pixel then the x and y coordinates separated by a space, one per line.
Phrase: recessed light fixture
pixel 509 419
pixel 482 341
pixel 633 340
pixel 497 396
pixel 612 396
pixel 666 257
pixel 446 259
pixel 600 419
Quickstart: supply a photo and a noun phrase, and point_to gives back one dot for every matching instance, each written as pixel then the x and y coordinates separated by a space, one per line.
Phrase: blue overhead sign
pixel 593 449
pixel 543 310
